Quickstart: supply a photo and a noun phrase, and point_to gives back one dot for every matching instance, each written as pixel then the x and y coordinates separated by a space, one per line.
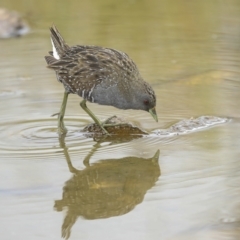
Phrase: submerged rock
pixel 12 24
pixel 121 129
pixel 117 127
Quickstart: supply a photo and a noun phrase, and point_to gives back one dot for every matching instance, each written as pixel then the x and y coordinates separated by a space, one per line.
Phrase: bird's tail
pixel 58 43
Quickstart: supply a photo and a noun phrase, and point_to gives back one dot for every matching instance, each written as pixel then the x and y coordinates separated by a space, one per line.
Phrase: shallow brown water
pixel 190 53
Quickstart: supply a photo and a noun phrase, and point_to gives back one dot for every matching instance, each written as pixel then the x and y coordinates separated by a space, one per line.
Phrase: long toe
pixel 55 114
pixel 113 121
pixel 104 130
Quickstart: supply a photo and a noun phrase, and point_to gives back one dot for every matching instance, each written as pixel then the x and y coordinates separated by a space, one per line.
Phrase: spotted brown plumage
pixel 99 75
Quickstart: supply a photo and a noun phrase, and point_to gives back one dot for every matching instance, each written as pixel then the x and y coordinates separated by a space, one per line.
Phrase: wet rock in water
pixel 117 127
pixel 191 125
pixel 12 24
pixel 127 131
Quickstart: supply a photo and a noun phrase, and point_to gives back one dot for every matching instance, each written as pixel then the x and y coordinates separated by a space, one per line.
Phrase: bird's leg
pixel 61 127
pixel 90 113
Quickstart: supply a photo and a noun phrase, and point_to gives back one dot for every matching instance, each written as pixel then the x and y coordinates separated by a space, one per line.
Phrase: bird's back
pixel 101 75
pixel 82 68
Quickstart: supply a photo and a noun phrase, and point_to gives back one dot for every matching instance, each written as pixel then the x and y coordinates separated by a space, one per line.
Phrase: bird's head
pixel 147 100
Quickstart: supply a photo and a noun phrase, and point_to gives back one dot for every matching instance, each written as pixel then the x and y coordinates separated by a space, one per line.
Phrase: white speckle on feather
pixel 55 54
pixel 90 92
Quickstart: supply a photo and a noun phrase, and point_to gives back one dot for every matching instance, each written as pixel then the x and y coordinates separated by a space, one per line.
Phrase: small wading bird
pixel 12 24
pixel 98 75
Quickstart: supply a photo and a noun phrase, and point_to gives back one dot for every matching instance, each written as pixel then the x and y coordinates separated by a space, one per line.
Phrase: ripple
pixel 38 138
pixel 10 94
pixel 37 135
pixel 190 125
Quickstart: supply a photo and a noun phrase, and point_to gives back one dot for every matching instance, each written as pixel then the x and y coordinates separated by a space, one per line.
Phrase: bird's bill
pixel 154 114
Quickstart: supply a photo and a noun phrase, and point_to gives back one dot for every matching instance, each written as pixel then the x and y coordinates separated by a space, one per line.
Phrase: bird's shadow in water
pixel 107 188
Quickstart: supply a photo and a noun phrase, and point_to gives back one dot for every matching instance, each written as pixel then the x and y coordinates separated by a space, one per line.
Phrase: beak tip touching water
pixel 152 111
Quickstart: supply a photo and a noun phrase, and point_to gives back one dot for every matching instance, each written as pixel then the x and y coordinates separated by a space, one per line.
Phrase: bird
pixel 12 24
pixel 99 75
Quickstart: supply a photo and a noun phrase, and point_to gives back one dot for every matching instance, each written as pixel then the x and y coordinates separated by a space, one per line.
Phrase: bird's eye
pixel 146 102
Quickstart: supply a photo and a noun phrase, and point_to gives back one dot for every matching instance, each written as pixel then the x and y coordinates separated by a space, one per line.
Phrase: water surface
pixel 189 53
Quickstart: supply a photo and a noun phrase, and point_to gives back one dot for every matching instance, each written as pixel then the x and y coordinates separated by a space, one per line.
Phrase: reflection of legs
pixel 66 153
pixel 61 127
pixel 86 160
pixel 59 205
pixel 90 113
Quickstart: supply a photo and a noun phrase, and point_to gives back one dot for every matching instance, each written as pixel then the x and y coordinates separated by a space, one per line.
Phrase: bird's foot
pixel 113 121
pixel 61 127
pixel 55 114
pixel 110 123
pixel 107 121
pixel 102 126
pixel 62 130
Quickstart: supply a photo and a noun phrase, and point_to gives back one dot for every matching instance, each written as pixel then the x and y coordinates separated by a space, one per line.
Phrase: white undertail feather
pixel 55 54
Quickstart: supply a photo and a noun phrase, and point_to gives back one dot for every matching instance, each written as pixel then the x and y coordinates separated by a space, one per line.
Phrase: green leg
pixel 90 113
pixel 61 127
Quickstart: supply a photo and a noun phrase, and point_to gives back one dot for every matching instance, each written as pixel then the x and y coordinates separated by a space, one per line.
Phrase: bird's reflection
pixel 107 188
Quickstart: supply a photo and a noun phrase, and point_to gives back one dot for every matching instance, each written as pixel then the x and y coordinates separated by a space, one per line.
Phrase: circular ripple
pixel 38 138
pixel 38 135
